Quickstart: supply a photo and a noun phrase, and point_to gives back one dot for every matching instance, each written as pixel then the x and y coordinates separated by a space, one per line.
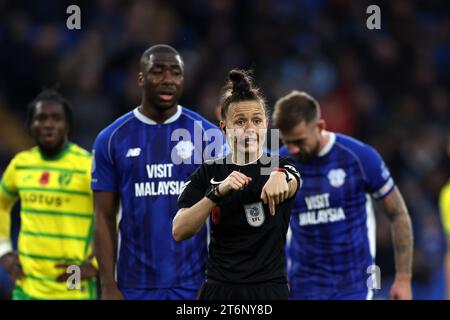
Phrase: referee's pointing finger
pixel 272 205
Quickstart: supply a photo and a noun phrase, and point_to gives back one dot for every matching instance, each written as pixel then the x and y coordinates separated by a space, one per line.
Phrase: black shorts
pixel 213 290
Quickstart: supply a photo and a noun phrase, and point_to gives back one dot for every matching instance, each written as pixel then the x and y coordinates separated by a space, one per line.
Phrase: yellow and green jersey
pixel 56 219
pixel 444 204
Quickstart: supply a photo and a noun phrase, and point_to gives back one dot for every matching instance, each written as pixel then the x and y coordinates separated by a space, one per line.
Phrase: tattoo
pixel 401 228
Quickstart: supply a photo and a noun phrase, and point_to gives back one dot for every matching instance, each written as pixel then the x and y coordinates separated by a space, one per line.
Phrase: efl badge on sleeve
pixel 255 214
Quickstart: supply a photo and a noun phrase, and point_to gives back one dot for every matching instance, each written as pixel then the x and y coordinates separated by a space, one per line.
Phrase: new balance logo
pixel 133 152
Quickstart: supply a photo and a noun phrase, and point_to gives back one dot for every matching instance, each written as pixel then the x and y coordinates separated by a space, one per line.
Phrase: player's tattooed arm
pixel 395 208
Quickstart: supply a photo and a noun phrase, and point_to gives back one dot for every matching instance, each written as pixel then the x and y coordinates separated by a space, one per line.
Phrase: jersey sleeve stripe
pixel 84 155
pixel 39 168
pixel 75 192
pixel 7 190
pixel 88 239
pixel 57 213
pixel 49 235
pixel 49 258
pixel 40 278
pixel 384 190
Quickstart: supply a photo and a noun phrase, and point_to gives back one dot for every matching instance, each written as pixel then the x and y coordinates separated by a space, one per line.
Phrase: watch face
pixel 211 194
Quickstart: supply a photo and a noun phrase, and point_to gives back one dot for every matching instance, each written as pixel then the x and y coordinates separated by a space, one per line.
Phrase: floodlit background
pixel 388 87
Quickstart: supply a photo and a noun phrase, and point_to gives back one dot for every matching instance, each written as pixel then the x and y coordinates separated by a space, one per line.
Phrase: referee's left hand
pixel 275 191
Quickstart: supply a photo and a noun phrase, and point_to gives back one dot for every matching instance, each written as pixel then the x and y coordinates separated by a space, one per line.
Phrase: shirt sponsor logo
pixel 319 211
pixel 37 198
pixel 336 177
pixel 162 188
pixel 159 188
pixel 254 213
pixel 133 152
pixel 321 216
pixel 27 178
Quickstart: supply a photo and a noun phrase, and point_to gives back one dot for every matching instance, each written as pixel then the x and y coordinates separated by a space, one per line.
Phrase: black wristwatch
pixel 213 193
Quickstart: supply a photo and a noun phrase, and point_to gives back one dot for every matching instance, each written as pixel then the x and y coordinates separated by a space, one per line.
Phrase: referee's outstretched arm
pixel 188 221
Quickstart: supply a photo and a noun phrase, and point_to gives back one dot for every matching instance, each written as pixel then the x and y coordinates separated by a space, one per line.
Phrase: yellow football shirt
pixel 56 219
pixel 444 204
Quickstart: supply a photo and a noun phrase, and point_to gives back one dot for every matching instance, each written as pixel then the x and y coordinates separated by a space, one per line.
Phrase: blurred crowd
pixel 388 87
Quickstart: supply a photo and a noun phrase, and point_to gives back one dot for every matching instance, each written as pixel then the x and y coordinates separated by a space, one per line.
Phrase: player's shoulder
pixel 349 142
pixel 79 152
pixel 283 158
pixel 353 146
pixel 191 115
pixel 283 151
pixel 445 191
pixel 26 156
pixel 116 125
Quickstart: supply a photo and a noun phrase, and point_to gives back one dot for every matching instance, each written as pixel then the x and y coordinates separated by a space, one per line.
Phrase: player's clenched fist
pixel 235 181
pixel 275 191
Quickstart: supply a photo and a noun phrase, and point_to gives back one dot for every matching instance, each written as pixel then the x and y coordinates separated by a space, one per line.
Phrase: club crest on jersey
pixel 184 149
pixel 64 179
pixel 336 177
pixel 254 213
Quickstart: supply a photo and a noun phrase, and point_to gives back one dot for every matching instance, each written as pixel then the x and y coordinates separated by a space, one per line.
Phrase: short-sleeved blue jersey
pixel 147 164
pixel 332 229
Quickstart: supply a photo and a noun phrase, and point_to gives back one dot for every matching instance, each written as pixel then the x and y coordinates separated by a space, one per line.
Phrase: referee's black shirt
pixel 247 243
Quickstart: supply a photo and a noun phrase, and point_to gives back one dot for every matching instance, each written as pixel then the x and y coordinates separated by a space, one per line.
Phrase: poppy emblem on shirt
pixel 215 215
pixel 254 212
pixel 337 177
pixel 45 178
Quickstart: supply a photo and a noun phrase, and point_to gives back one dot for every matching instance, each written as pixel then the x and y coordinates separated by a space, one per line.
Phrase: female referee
pixel 250 209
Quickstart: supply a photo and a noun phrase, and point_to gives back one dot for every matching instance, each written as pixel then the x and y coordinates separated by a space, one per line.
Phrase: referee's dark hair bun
pixel 239 88
pixel 241 84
